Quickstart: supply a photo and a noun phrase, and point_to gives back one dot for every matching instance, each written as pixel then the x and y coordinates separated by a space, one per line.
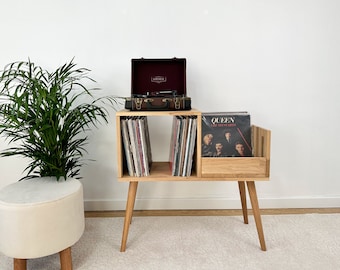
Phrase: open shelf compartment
pixel 160 170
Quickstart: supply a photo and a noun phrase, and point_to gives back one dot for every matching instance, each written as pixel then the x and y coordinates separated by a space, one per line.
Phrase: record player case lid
pixel 153 75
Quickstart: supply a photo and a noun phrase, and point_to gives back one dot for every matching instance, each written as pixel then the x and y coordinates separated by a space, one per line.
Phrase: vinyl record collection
pixel 182 145
pixel 137 148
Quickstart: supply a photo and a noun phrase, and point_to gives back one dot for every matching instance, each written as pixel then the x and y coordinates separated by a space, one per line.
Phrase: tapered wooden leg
pixel 256 211
pixel 242 188
pixel 133 204
pixel 128 213
pixel 20 264
pixel 66 259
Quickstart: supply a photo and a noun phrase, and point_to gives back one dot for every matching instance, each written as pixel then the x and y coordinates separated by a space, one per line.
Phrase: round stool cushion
pixel 40 217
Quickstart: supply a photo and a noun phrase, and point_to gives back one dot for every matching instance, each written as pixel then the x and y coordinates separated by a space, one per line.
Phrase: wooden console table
pixel 244 170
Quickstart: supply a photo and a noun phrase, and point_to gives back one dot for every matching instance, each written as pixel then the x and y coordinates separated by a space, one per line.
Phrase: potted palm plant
pixel 45 116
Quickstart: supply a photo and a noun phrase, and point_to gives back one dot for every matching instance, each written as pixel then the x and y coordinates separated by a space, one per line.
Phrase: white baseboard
pixel 211 203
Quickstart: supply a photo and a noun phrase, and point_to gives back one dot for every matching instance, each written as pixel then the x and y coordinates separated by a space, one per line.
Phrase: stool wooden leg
pixel 242 188
pixel 66 259
pixel 256 212
pixel 128 213
pixel 20 264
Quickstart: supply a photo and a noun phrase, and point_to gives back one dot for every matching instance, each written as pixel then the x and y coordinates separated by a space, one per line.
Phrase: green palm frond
pixel 45 114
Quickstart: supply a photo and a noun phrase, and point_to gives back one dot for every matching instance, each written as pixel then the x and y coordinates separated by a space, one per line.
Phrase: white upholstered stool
pixel 40 217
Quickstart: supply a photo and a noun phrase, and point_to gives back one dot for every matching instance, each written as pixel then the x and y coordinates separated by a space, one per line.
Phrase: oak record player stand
pixel 243 170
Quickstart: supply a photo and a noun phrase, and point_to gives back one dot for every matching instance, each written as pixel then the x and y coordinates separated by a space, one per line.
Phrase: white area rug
pixel 310 241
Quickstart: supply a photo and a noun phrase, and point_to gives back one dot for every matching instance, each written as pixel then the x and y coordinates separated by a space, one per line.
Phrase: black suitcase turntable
pixel 158 85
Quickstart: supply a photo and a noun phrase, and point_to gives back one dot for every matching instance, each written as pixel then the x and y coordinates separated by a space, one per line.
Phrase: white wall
pixel 277 59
